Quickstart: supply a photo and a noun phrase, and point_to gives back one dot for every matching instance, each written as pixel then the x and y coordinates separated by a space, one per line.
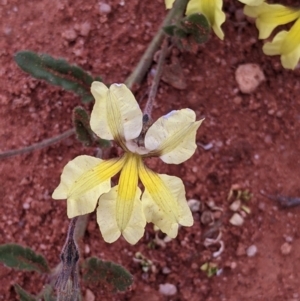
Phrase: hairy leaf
pixel 21 258
pixel 56 72
pixel 98 272
pixel 81 121
pixel 197 26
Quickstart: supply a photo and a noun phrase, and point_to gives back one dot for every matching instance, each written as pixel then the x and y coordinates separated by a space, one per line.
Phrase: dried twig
pixel 284 201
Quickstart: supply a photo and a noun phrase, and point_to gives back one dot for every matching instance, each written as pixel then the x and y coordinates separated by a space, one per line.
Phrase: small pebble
pixel 262 206
pixel 248 77
pixel 286 249
pixel 26 206
pixel 166 270
pixel 87 249
pixel 85 29
pixel 104 8
pixel 235 206
pixel 194 205
pixel 70 35
pixel 251 251
pixel 237 100
pixel 167 289
pixel 236 220
pixel 89 295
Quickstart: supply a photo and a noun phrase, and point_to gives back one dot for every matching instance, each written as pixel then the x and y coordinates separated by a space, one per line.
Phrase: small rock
pixel 26 206
pixel 70 35
pixel 236 220
pixel 235 206
pixel 89 295
pixel 166 270
pixel 194 205
pixel 262 206
pixel 104 8
pixel 251 251
pixel 286 249
pixel 248 77
pixel 87 249
pixel 85 29
pixel 237 100
pixel 167 289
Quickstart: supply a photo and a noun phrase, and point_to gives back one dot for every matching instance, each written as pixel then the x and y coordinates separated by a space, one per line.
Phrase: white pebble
pixel 248 77
pixel 104 8
pixel 251 251
pixel 194 205
pixel 286 249
pixel 236 220
pixel 235 206
pixel 26 206
pixel 167 289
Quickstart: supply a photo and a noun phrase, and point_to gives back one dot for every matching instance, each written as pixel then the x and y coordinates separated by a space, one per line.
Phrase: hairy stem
pixel 39 145
pixel 144 64
pixel 155 83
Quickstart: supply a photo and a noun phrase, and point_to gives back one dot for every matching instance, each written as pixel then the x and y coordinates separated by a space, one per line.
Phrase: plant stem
pixel 144 64
pixel 155 83
pixel 39 145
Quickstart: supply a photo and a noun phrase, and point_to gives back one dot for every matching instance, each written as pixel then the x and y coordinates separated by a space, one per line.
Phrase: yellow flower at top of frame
pixel 252 2
pixel 269 16
pixel 123 209
pixel 287 45
pixel 211 9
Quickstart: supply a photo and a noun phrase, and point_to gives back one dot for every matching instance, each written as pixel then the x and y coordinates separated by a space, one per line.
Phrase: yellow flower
pixel 286 44
pixel 211 9
pixel 252 2
pixel 270 16
pixel 86 181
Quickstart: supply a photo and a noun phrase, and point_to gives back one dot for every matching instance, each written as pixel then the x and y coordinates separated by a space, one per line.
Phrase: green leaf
pixel 169 30
pixel 18 257
pixel 84 133
pixel 81 121
pixel 57 72
pixel 197 26
pixel 23 295
pixel 97 272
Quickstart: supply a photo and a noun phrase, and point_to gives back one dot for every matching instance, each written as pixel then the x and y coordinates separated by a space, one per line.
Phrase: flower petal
pixel 274 47
pixel 106 218
pixel 128 184
pixel 164 201
pixel 172 137
pixel 83 180
pixel 120 211
pixel 270 16
pixel 116 114
pixel 169 3
pixel 252 2
pixel 286 44
pixel 212 10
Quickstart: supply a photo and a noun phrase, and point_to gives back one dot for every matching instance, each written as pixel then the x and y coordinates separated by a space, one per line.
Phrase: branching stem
pixel 39 145
pixel 157 76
